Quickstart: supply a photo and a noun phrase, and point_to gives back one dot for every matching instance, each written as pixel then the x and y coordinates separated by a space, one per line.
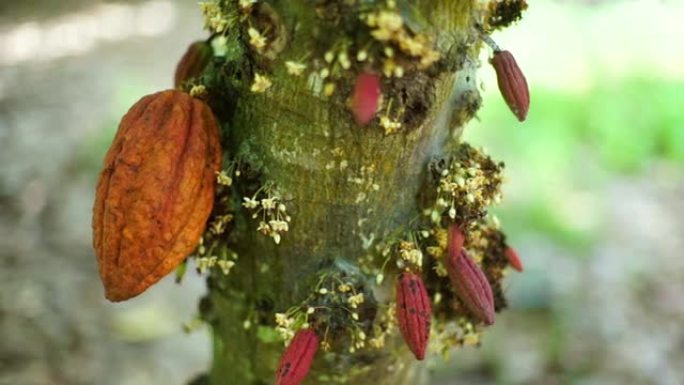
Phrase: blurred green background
pixel 594 196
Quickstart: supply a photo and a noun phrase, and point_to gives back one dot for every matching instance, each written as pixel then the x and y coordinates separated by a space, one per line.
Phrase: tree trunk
pixel 347 188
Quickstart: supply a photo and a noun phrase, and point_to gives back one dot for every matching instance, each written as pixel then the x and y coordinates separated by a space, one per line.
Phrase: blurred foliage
pixel 576 142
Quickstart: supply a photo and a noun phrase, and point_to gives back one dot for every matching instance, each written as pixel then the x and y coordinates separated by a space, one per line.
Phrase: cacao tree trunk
pixel 346 187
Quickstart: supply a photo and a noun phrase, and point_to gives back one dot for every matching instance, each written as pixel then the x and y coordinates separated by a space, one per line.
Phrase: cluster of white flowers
pixel 355 300
pixel 388 28
pixel 285 326
pixel 409 253
pixel 467 186
pixel 444 336
pixel 214 255
pixel 198 91
pixel 214 19
pixel 205 263
pixel 274 219
pixel 384 325
pixel 358 340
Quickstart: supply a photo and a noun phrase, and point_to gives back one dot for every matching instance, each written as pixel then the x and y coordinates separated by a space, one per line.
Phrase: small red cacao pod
pixel 413 313
pixel 470 285
pixel 455 239
pixel 297 358
pixel 513 259
pixel 512 83
pixel 366 97
pixel 155 191
pixel 192 62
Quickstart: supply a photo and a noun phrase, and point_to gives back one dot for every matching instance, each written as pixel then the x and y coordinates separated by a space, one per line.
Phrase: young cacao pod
pixel 297 358
pixel 455 237
pixel 366 97
pixel 192 62
pixel 155 192
pixel 470 283
pixel 413 312
pixel 513 259
pixel 512 83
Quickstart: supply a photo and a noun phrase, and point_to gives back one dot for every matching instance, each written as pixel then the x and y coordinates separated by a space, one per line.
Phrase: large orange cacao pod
pixel 155 192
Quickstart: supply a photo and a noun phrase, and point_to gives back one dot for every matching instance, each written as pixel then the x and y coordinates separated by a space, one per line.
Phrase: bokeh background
pixel 594 197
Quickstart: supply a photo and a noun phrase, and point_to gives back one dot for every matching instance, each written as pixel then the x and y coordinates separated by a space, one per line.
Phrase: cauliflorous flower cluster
pixel 467 184
pixel 267 205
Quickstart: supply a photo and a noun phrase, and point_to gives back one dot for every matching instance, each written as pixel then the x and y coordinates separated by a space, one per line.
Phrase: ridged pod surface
pixel 155 191
pixel 456 238
pixel 297 358
pixel 413 312
pixel 192 62
pixel 512 83
pixel 469 282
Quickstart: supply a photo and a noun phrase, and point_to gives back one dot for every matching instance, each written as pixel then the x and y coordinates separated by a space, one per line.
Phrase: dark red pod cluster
pixel 413 312
pixel 513 259
pixel 297 358
pixel 192 62
pixel 366 97
pixel 469 281
pixel 512 83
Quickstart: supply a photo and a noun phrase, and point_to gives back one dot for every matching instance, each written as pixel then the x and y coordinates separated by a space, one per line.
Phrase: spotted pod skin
pixel 413 312
pixel 155 191
pixel 192 62
pixel 470 283
pixel 297 358
pixel 512 83
pixel 366 97
pixel 513 259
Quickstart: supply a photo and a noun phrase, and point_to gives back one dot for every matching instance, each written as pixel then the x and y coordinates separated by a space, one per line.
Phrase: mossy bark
pixel 309 146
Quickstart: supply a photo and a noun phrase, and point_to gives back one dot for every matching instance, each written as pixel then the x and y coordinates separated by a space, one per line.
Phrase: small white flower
pixel 264 228
pixel 222 178
pixel 261 83
pixel 355 300
pixel 250 203
pixel 268 203
pixel 278 226
pixel 256 39
pixel 295 68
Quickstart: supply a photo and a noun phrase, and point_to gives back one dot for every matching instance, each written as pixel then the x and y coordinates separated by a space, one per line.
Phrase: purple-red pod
pixel 297 358
pixel 470 284
pixel 513 259
pixel 512 83
pixel 366 97
pixel 413 312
